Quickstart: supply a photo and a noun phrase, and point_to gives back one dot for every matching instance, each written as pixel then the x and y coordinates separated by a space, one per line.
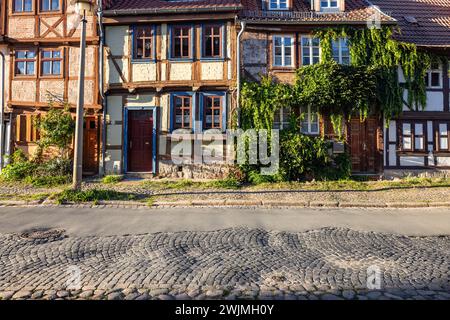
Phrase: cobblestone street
pixel 234 263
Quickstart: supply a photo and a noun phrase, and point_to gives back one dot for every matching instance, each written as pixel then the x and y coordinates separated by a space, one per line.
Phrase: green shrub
pixel 93 195
pixel 112 179
pixel 47 181
pixel 255 177
pixel 229 183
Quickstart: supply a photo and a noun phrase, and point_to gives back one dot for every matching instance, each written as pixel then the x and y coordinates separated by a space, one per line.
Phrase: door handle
pixel 131 144
pixel 147 142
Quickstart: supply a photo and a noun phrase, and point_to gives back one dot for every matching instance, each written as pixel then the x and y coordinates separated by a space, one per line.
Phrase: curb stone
pixel 226 203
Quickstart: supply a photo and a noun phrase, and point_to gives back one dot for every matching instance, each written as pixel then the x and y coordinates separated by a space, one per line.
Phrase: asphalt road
pixel 119 221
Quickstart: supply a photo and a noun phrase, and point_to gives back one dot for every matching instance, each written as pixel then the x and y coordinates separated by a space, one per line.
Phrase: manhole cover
pixel 44 234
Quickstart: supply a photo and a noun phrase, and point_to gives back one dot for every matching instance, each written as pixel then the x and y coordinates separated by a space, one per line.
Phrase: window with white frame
pixel 328 4
pixel 413 136
pixel 310 50
pixel 433 78
pixel 278 4
pixel 283 48
pixel 341 52
pixel 309 121
pixel 444 135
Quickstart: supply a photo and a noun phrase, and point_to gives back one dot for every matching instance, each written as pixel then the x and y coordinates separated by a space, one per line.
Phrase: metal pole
pixel 78 154
pixel 2 113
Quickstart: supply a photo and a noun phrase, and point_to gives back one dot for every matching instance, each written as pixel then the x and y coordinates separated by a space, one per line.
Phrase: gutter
pixel 125 12
pixel 101 85
pixel 2 113
pixel 238 72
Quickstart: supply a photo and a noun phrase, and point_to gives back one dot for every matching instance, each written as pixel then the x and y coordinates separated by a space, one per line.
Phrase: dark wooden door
pixel 364 146
pixel 140 141
pixel 90 145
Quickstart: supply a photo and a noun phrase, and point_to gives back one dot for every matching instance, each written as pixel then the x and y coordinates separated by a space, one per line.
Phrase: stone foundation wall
pixel 421 173
pixel 193 171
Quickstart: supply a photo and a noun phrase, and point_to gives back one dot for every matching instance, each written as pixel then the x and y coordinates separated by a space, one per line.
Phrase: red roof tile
pixel 356 11
pixel 432 16
pixel 161 5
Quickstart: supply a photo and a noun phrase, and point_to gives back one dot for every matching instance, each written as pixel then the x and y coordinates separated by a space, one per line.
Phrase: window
pixel 433 78
pixel 278 5
pixel 181 42
pixel 341 52
pixel 310 50
pixel 50 5
pixel 182 106
pixel 413 137
pixel 51 62
pixel 212 41
pixel 443 137
pixel 25 62
pixel 328 4
pixel 212 112
pixel 143 43
pixel 283 47
pixel 310 121
pixel 22 5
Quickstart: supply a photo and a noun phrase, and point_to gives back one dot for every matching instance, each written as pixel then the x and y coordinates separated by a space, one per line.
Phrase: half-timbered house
pixel 168 65
pixel 278 40
pixel 419 140
pixel 42 59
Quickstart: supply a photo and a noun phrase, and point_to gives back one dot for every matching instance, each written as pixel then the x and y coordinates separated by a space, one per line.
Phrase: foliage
pixel 39 174
pixel 112 179
pixel 94 195
pixel 377 50
pixel 229 183
pixel 56 128
pixel 336 90
pixel 261 100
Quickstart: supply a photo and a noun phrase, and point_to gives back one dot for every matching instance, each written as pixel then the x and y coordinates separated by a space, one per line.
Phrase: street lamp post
pixel 83 7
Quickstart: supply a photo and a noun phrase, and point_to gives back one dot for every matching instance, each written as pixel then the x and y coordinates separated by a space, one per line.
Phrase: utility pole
pixel 78 152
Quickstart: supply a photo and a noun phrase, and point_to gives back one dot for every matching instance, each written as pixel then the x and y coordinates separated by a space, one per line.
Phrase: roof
pixel 356 11
pixel 423 22
pixel 160 6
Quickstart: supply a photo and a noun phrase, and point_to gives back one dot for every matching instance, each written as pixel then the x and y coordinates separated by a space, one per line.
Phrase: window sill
pixel 412 153
pixel 24 77
pixel 181 60
pixel 142 61
pixel 219 59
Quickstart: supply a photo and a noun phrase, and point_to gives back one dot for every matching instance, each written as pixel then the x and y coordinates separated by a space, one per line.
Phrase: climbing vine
pixel 379 52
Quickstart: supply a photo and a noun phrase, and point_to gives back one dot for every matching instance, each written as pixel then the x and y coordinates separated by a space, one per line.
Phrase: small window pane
pixel 407 142
pixel 443 143
pixel 418 143
pixel 419 129
pixel 443 129
pixel 435 79
pixel 407 129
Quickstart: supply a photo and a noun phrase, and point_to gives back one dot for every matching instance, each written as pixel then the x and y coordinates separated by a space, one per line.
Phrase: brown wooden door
pixel 363 145
pixel 140 141
pixel 90 145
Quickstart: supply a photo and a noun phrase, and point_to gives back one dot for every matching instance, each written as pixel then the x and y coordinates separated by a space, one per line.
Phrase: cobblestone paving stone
pixel 240 263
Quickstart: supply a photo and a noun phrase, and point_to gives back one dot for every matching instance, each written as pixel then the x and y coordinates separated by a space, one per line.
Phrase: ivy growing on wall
pixel 379 52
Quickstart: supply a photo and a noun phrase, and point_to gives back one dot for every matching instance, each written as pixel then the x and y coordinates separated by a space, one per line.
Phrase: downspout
pixel 2 113
pixel 238 73
pixel 101 85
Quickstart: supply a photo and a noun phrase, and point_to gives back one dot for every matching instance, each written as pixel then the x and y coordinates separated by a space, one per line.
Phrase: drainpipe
pixel 2 113
pixel 101 80
pixel 238 73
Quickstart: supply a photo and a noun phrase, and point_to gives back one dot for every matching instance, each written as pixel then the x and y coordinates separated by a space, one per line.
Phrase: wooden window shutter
pixel 34 132
pixel 21 128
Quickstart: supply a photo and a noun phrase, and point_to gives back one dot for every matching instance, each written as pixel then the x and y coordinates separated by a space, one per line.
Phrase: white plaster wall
pixel 117 39
pixel 114 111
pixel 141 100
pixel 164 41
pixel 181 71
pixel 144 71
pixel 443 161
pixel 165 100
pixel 113 161
pixel 212 70
pixel 435 101
pixel 23 90
pixel 412 161
pixel 114 135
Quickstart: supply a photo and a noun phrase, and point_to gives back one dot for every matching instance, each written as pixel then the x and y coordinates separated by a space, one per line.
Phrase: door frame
pixel 125 135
